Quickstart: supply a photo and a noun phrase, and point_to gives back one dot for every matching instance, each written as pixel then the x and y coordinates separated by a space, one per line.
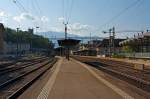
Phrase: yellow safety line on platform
pixel 47 88
pixel 113 87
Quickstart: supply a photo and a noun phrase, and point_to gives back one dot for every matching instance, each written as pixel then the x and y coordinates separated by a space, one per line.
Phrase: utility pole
pixel 32 32
pixel 66 48
pixel 17 42
pixel 66 28
pixel 113 41
pixel 90 43
pixel 110 42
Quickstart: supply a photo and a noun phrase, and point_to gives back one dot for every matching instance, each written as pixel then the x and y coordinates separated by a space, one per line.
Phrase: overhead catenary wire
pixel 24 10
pixel 42 15
pixel 33 7
pixel 39 8
pixel 120 13
pixel 67 6
pixel 63 9
pixel 70 12
pixel 39 12
pixel 36 8
pixel 20 6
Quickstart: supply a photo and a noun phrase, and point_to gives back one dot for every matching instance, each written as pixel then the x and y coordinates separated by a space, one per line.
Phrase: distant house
pixel 141 42
pixel 89 49
pixel 93 44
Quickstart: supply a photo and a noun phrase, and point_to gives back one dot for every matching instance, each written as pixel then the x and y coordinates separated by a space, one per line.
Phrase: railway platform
pixel 75 80
pixel 71 80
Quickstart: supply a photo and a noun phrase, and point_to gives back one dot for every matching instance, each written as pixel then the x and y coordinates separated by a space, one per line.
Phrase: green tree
pixel 127 49
pixel 11 35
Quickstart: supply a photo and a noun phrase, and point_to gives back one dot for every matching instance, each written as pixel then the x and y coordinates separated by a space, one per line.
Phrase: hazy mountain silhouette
pixel 52 34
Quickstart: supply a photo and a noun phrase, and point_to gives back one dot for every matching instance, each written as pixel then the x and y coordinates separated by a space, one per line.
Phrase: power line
pixel 23 9
pixel 38 6
pixel 120 13
pixel 20 6
pixel 35 8
pixel 70 12
pixel 67 9
pixel 41 14
pixel 63 10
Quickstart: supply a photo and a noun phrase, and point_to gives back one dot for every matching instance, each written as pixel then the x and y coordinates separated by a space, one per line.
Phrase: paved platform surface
pixel 73 80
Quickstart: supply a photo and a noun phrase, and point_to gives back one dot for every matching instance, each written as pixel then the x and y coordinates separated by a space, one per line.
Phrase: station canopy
pixel 68 42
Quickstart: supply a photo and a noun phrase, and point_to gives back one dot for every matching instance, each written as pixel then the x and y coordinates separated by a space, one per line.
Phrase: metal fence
pixel 136 55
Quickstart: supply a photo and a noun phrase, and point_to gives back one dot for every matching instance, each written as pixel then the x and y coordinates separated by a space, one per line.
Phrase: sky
pixel 85 16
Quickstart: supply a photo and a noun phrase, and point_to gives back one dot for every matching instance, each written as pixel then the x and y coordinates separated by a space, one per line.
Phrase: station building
pixel 105 49
pixel 89 49
pixel 99 47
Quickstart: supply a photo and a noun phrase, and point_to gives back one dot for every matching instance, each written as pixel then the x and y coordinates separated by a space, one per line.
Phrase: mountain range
pixel 52 34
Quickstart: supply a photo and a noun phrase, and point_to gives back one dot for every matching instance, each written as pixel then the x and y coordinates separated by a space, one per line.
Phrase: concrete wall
pixel 136 55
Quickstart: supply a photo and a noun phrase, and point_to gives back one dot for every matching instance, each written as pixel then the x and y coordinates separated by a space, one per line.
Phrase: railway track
pixel 18 62
pixel 15 62
pixel 121 70
pixel 26 75
pixel 20 65
pixel 9 73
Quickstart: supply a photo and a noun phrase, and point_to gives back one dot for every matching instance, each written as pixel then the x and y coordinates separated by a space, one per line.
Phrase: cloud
pixel 30 17
pixel 80 29
pixel 24 16
pixel 74 28
pixel 61 19
pixel 4 16
pixel 56 29
pixel 18 18
pixel 44 19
